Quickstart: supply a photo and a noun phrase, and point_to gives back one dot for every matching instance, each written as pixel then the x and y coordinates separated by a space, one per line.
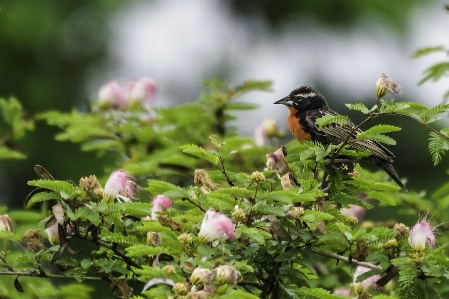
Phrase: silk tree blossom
pixel 111 95
pixel 422 233
pixel 342 291
pixel 120 185
pixel 216 225
pixel 260 136
pixel 355 211
pixel 362 287
pixel 142 91
pixel 159 203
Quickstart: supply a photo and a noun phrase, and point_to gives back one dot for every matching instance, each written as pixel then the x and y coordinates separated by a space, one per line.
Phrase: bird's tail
pixel 389 169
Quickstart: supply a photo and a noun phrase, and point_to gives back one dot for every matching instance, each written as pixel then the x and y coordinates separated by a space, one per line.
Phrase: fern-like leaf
pixel 437 147
pixel 332 119
pixel 199 152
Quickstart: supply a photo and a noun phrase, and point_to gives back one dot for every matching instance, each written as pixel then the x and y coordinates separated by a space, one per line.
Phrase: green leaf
pixel 142 250
pixel 65 189
pixel 241 106
pixel 426 51
pixel 199 152
pixel 87 214
pixel 10 236
pixel 380 129
pixel 359 107
pixel 6 153
pixel 438 146
pixel 160 187
pixel 435 72
pixel 332 119
pixel 239 294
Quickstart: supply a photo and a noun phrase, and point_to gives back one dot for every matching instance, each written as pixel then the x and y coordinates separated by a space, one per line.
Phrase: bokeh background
pixel 54 55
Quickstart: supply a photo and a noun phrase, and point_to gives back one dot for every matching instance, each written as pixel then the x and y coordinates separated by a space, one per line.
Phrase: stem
pixel 223 170
pixel 346 259
pixel 195 204
pixel 45 275
pixel 4 250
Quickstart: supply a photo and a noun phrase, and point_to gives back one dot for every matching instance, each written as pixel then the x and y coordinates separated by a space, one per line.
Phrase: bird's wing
pixel 336 133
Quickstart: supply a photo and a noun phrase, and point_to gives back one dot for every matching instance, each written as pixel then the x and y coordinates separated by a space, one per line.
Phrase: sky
pixel 180 43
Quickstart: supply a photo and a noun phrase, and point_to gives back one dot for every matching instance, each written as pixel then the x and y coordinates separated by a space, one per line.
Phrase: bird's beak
pixel 285 101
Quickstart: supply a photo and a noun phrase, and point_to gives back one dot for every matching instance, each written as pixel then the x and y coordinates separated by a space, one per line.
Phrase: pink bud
pixel 362 287
pixel 111 95
pixel 142 91
pixel 53 234
pixel 342 291
pixel 120 185
pixel 260 136
pixel 160 203
pixel 354 210
pixel 216 225
pixel 421 234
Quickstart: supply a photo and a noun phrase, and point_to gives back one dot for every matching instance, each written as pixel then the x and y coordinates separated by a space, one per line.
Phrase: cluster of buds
pixel 202 180
pixel 120 185
pixel 238 214
pixel 185 238
pixel 142 92
pixel 268 129
pixel 216 225
pixel 295 212
pixel 401 230
pixel 354 214
pixel 91 184
pixel 210 279
pixel 258 176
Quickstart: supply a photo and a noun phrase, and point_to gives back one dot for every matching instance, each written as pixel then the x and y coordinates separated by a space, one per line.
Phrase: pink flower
pixel 160 203
pixel 120 185
pixel 421 234
pixel 362 287
pixel 354 210
pixel 216 225
pixel 142 91
pixel 111 95
pixel 260 137
pixel 342 291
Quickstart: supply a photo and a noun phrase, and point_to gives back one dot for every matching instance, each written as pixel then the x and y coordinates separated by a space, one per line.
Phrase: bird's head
pixel 303 98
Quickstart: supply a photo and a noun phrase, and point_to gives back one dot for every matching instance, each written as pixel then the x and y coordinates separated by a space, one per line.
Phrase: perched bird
pixel 307 105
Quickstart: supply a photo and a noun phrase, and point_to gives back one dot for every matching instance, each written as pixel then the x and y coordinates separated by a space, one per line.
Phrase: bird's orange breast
pixel 295 126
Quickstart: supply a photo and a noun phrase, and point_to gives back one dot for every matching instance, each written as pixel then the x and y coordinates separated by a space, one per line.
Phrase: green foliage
pixel 330 119
pixel 375 133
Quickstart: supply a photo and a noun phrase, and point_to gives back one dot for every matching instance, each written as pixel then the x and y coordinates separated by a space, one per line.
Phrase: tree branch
pixel 346 259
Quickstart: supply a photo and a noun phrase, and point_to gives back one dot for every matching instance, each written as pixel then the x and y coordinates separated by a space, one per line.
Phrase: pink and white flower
pixel 216 225
pixel 159 203
pixel 342 291
pixel 362 287
pixel 260 136
pixel 120 185
pixel 422 233
pixel 142 91
pixel 111 95
pixel 355 211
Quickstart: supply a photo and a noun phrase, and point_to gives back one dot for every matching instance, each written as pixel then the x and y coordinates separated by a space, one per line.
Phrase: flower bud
pixel 154 239
pixel 201 276
pixel 169 269
pixel 258 176
pixel 271 128
pixel 110 96
pixel 185 238
pixel 58 211
pixel 362 287
pixel 91 184
pixel 238 214
pixel 385 85
pixel 5 223
pixel 401 230
pixel 391 243
pixel 142 92
pixel 160 203
pixel 226 275
pixel 180 288
pixel 276 161
pixel 352 219
pixel 53 234
pixel 295 212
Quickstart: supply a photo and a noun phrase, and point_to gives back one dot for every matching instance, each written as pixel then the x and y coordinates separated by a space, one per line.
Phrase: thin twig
pixel 346 259
pixel 223 170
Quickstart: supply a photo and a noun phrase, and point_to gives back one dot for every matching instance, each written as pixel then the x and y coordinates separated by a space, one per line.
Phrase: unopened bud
pixel 5 223
pixel 385 85
pixel 258 176
pixel 53 234
pixel 401 230
pixel 180 288
pixel 226 275
pixel 169 269
pixel 271 128
pixel 200 276
pixel 154 239
pixel 352 219
pixel 391 243
pixel 185 238
pixel 295 212
pixel 238 214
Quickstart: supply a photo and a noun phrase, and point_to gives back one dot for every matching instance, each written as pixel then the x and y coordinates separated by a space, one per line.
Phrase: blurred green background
pixel 56 55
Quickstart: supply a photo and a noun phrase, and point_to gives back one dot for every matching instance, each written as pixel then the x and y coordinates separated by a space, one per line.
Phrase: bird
pixel 306 106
